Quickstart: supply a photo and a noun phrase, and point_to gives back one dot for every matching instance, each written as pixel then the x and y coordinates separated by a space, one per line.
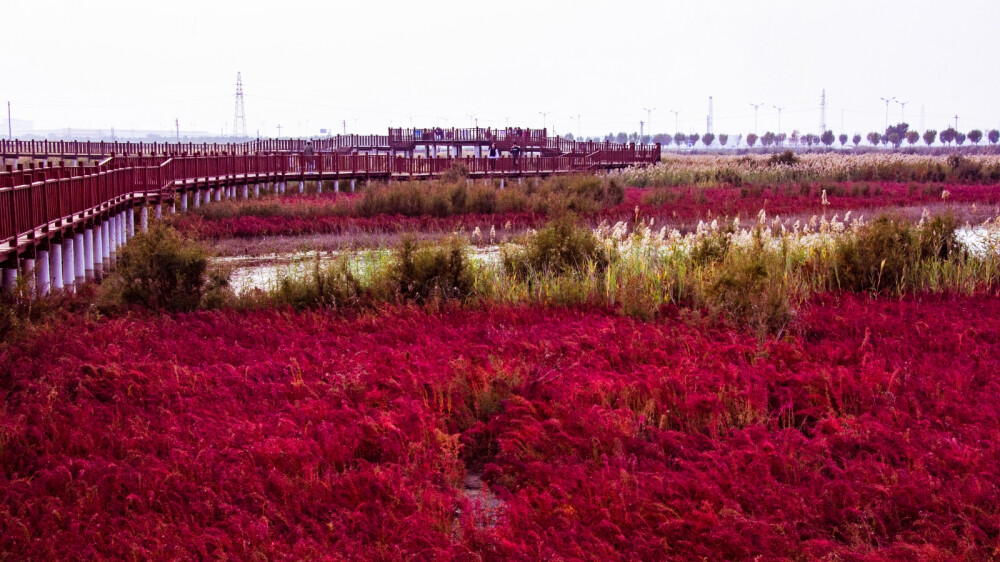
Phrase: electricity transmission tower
pixel 239 117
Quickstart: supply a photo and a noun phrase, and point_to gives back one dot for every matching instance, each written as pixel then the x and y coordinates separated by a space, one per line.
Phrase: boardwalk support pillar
pixel 42 274
pixel 10 277
pixel 55 265
pixel 79 259
pixel 144 218
pixel 68 264
pixel 88 254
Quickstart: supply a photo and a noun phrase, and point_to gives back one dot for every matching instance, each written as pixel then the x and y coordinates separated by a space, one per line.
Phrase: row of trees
pixel 894 135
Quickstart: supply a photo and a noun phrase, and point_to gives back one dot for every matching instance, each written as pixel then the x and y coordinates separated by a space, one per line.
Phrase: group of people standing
pixel 494 154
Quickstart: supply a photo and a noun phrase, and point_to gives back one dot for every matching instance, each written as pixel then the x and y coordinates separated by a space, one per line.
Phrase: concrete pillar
pixel 319 186
pixel 352 184
pixel 336 186
pixel 88 254
pixel 144 216
pixel 246 191
pixel 518 180
pixel 173 208
pixel 68 265
pixel 197 198
pixel 10 277
pixel 218 194
pixel 501 183
pixel 184 204
pixel 105 249
pixel 55 266
pixel 368 183
pixel 125 227
pixel 256 190
pixel 112 227
pixel 43 281
pixel 80 258
pixel 28 270
pixel 158 211
pixel 479 151
pixel 302 186
pixel 130 223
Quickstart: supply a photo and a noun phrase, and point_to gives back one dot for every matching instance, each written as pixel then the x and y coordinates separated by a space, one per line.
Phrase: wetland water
pixel 264 271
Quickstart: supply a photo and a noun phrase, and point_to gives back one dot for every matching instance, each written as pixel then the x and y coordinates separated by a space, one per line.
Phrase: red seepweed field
pixel 871 430
pixel 680 206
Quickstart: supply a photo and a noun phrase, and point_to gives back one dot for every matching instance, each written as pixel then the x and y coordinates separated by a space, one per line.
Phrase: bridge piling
pixel 352 185
pixel 42 280
pixel 10 276
pixel 88 253
pixel 105 248
pixel 98 261
pixel 246 191
pixel 55 264
pixel 68 265
pixel 79 255
pixel 256 190
pixel 184 206
pixel 144 219
pixel 28 270
pixel 336 186
pixel 158 211
pixel 112 224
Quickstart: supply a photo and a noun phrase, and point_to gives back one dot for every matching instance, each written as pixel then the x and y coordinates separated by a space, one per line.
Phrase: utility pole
pixel 779 117
pixel 543 114
pixel 177 124
pixel 279 130
pixel 887 100
pixel 956 121
pixel 755 106
pixel 345 125
pixel 10 135
pixel 676 113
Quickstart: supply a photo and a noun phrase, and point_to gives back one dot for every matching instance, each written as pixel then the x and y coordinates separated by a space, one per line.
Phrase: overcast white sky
pixel 307 65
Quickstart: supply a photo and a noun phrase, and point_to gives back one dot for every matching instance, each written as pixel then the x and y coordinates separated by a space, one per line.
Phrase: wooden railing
pixel 530 140
pixel 38 200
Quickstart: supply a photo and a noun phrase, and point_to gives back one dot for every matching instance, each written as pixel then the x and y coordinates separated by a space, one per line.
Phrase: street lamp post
pixel 649 120
pixel 887 100
pixel 676 113
pixel 902 110
pixel 755 107
pixel 543 114
pixel 779 118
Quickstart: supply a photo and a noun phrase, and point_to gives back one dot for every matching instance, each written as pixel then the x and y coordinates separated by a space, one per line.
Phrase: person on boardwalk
pixel 493 155
pixel 308 153
pixel 515 153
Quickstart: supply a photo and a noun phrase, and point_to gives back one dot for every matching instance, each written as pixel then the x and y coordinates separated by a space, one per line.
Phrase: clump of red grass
pixel 874 432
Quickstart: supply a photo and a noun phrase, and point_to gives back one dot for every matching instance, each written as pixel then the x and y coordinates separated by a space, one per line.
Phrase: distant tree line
pixel 895 135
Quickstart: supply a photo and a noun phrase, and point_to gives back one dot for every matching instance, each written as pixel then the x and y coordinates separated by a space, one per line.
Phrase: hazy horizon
pixel 312 66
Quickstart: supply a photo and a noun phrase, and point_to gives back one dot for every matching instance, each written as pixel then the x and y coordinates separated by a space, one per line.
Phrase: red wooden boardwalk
pixel 410 142
pixel 43 203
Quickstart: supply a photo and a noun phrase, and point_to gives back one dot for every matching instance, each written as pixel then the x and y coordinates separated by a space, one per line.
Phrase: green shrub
pixel 878 258
pixel 752 287
pixel 157 269
pixel 422 273
pixel 326 285
pixel 562 246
